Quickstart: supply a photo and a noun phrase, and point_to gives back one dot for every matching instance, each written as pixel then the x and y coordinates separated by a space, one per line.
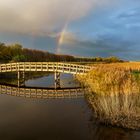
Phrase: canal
pixel 54 119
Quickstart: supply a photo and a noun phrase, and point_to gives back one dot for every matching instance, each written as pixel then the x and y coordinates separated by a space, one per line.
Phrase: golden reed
pixel 114 94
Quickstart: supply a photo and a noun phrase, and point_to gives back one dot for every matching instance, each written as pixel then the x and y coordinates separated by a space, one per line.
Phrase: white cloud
pixel 42 16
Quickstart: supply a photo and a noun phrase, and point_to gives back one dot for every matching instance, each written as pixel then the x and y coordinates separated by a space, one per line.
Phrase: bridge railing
pixel 45 66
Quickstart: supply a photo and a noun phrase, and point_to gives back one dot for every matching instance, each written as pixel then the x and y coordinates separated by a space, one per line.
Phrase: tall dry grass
pixel 124 65
pixel 114 94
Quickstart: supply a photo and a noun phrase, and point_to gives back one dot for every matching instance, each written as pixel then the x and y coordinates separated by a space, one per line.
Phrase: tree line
pixel 16 53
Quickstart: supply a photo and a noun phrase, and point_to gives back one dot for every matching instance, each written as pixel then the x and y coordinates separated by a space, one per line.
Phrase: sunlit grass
pixel 114 93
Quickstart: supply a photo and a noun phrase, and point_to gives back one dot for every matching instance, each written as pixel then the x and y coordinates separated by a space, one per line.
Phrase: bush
pixel 19 58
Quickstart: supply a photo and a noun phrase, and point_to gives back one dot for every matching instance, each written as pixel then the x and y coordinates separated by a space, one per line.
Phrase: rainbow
pixel 68 21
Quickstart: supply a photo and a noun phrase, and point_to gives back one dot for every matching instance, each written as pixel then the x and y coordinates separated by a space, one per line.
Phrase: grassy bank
pixel 114 94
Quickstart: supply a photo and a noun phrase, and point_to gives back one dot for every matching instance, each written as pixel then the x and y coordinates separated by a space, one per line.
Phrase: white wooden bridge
pixel 55 67
pixel 45 66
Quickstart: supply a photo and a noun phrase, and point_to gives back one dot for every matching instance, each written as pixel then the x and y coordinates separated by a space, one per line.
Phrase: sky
pixel 87 28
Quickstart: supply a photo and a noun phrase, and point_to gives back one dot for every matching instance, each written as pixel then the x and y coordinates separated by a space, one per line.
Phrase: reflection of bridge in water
pixel 42 93
pixel 57 68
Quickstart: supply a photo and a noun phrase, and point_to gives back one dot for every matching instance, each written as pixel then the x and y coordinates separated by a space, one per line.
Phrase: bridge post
pixel 21 80
pixel 57 80
pixel 18 78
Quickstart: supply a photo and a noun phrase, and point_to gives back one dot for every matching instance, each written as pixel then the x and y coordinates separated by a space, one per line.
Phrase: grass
pixel 114 94
pixel 125 65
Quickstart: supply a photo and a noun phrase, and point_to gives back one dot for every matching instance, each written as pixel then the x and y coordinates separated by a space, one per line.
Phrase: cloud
pixel 41 17
pixel 104 47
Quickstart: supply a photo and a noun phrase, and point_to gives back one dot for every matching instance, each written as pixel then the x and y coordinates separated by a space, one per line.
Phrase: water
pixel 53 119
pixel 48 81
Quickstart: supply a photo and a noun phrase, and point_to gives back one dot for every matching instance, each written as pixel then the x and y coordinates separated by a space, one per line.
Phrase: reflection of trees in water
pixel 102 132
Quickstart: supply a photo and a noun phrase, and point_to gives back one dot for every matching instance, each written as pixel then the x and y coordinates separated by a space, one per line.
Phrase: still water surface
pixel 53 119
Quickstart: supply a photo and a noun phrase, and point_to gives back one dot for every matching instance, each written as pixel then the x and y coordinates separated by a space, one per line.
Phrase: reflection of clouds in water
pixel 66 80
pixel 46 81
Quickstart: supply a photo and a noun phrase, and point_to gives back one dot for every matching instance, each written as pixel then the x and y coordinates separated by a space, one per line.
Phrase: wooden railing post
pixel 57 80
pixel 23 78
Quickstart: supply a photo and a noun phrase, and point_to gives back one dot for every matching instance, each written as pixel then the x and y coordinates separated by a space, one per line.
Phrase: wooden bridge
pixel 45 66
pixel 57 68
pixel 41 93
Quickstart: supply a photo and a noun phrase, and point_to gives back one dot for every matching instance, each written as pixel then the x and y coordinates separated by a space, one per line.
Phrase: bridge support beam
pixel 21 78
pixel 57 80
pixel 18 78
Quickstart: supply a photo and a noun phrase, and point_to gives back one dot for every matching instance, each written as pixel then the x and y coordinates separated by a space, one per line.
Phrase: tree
pixel 16 49
pixel 19 58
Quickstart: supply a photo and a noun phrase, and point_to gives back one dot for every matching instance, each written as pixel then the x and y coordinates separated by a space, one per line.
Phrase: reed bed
pixel 114 94
pixel 125 65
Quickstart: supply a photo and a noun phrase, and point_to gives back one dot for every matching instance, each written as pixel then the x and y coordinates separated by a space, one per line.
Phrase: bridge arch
pixel 45 66
pixel 55 67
